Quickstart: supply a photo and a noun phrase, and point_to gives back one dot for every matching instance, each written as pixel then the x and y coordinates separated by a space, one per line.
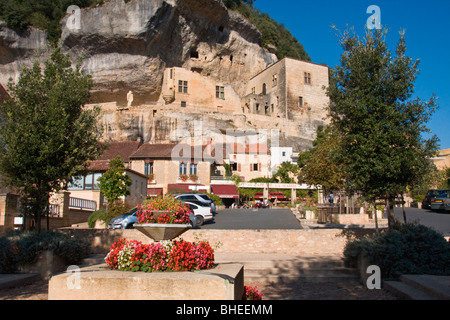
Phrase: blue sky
pixel 427 28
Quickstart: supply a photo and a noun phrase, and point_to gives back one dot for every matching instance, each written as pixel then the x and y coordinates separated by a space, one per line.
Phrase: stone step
pixel 421 287
pixel 93 259
pixel 298 271
pixel 280 261
pixel 300 278
pixel 406 291
pixel 276 268
pixel 436 286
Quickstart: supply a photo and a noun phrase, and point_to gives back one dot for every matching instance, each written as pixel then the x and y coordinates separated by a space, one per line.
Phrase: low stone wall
pixel 224 282
pixel 296 242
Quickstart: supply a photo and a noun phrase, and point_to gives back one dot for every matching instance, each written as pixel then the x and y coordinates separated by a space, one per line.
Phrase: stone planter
pixel 159 232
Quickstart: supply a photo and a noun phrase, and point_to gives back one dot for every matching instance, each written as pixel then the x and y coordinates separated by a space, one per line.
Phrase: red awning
pixel 272 195
pixel 187 188
pixel 154 192
pixel 225 191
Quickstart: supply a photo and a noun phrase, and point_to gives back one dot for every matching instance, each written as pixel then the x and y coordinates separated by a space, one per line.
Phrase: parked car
pixel 127 220
pixel 203 213
pixel 447 203
pixel 197 197
pixel 437 203
pixel 426 203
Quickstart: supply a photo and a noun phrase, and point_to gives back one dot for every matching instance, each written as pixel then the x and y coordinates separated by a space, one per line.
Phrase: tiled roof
pixel 103 166
pixel 124 149
pixel 205 152
pixel 170 151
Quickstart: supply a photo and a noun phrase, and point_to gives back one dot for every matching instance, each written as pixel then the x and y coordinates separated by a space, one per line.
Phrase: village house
pixel 173 168
pixel 290 89
pixel 190 90
pixel 85 187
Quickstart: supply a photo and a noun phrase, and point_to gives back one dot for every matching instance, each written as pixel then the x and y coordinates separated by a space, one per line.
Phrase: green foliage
pixel 318 165
pixel 382 148
pixel 404 249
pixel 105 215
pixel 22 248
pixel 272 32
pixel 42 14
pixel 285 173
pixel 47 135
pixel 115 183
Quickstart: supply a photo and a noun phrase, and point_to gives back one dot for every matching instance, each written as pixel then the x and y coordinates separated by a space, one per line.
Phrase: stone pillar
pixel 266 192
pixel 293 196
pixel 65 205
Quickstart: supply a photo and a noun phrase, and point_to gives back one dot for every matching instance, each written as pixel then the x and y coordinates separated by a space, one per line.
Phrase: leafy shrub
pixel 19 248
pixel 115 209
pixel 405 249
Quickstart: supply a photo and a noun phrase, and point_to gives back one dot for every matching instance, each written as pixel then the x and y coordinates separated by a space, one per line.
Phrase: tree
pixel 285 172
pixel 382 148
pixel 47 135
pixel 318 165
pixel 115 183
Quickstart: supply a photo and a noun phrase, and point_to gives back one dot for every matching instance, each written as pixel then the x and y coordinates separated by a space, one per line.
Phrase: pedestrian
pixel 331 198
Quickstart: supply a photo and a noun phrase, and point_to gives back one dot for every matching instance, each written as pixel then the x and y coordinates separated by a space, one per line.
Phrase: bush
pixel 405 249
pixel 115 209
pixel 20 248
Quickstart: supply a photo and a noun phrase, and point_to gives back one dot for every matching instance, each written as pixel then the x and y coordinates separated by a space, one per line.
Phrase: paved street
pixel 266 219
pixel 439 221
pixel 252 219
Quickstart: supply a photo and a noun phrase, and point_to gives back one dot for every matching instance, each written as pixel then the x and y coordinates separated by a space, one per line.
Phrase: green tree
pixel 47 135
pixel 286 171
pixel 382 128
pixel 115 183
pixel 318 165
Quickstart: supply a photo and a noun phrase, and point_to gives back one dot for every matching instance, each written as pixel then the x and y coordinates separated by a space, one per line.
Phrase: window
pixel 88 182
pixel 193 168
pixel 220 92
pixel 183 168
pixel 194 54
pixel 253 90
pixel 300 102
pixel 234 166
pixel 254 167
pixel 182 86
pixel 183 104
pixel 96 177
pixel 148 168
pixel 77 184
pixel 274 80
pixel 264 89
pixel 283 153
pixel 307 78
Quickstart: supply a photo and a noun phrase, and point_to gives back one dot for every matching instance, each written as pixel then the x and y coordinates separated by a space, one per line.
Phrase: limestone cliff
pixel 127 46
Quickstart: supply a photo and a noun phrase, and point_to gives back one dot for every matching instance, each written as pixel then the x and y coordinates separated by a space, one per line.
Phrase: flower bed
pixel 163 211
pixel 162 256
pixel 252 293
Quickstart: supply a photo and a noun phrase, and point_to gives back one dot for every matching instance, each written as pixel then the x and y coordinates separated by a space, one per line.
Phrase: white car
pixel 195 198
pixel 202 213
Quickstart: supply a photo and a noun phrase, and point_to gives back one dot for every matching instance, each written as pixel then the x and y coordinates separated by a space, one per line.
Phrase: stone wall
pixel 327 242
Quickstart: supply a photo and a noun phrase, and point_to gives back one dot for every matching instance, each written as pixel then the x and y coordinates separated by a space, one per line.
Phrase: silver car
pixel 127 220
pixel 197 197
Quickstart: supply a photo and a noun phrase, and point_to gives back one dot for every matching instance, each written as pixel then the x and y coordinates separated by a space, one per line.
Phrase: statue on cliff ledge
pixel 130 98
